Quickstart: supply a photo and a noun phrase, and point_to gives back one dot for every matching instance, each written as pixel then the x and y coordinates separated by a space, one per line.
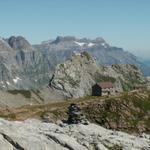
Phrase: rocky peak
pixel 74 77
pixel 4 46
pixel 19 43
pixel 64 39
pixel 99 40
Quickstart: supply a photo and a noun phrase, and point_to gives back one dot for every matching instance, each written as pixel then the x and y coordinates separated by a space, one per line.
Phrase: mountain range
pixel 105 54
pixel 27 66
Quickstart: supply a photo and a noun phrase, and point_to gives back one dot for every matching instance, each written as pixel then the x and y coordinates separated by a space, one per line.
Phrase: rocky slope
pixel 21 65
pixel 148 81
pixel 75 77
pixel 33 134
pixel 18 98
pixel 129 112
pixel 148 78
pixel 128 75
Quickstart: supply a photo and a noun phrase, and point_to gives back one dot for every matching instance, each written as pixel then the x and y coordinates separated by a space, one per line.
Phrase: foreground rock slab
pixel 36 135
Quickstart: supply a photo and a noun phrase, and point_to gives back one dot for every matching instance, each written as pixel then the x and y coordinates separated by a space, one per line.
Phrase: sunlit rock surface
pixel 36 135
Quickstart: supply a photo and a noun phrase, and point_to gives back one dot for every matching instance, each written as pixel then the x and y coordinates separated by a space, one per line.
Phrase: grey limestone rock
pixel 36 135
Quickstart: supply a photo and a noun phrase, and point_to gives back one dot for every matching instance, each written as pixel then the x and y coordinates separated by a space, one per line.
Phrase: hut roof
pixel 105 85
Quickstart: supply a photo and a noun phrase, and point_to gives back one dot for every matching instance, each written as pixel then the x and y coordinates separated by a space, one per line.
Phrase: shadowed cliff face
pixel 19 43
pixel 22 66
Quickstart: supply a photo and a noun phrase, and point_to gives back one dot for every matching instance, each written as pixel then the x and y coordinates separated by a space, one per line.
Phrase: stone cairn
pixel 76 116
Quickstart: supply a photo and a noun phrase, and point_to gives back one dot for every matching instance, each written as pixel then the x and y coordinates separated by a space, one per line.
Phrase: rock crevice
pixel 12 142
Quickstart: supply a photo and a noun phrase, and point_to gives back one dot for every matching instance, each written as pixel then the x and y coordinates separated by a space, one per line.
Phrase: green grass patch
pixel 102 78
pixel 88 56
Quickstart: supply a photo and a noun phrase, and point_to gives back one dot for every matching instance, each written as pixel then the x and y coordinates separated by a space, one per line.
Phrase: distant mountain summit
pixel 19 43
pixel 21 65
pixel 4 46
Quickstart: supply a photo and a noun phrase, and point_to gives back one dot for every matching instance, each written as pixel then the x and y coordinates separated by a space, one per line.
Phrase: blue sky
pixel 123 23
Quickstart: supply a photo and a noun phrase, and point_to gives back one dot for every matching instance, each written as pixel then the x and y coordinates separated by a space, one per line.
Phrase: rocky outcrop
pixel 148 82
pixel 4 46
pixel 75 77
pixel 128 75
pixel 33 134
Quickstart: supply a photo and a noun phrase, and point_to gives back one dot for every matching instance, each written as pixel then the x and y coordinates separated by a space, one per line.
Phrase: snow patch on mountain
pixel 80 43
pixel 16 79
pixel 91 44
pixel 104 44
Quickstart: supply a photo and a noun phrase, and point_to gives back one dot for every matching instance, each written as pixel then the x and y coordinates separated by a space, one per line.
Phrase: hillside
pixel 126 112
pixel 75 77
pixel 109 117
pixel 72 79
